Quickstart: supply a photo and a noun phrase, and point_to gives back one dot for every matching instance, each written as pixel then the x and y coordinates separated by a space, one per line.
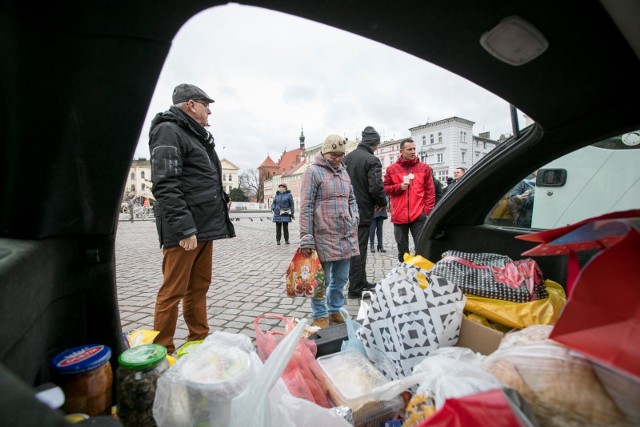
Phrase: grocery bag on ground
pixel 305 276
pixel 302 373
pixel 404 322
pixel 492 275
pixel 266 402
pixel 352 343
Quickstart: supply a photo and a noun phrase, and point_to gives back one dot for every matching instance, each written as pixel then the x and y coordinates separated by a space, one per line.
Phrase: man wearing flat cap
pixel 365 171
pixel 191 211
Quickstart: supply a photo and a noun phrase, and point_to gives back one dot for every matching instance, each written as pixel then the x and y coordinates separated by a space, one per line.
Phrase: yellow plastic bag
pixel 420 262
pixel 520 315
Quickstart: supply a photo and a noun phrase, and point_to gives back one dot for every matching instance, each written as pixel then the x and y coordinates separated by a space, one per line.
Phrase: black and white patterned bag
pixel 404 322
pixel 492 275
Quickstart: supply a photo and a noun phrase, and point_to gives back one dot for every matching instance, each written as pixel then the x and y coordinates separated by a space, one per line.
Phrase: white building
pixel 449 144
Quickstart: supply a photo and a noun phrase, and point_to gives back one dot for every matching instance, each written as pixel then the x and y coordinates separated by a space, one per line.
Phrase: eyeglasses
pixel 206 105
pixel 336 155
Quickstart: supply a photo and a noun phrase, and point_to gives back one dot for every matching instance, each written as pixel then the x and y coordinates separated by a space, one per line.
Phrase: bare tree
pixel 250 184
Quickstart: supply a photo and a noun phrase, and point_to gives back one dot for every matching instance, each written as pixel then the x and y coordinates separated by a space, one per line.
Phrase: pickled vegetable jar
pixel 85 376
pixel 136 381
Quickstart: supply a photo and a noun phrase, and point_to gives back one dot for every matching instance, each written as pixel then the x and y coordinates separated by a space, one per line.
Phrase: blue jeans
pixel 376 229
pixel 336 274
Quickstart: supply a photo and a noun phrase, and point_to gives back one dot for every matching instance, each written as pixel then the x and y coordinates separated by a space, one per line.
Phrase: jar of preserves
pixel 85 376
pixel 136 380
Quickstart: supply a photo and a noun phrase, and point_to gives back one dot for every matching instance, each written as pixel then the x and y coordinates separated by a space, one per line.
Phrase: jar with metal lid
pixel 85 376
pixel 136 381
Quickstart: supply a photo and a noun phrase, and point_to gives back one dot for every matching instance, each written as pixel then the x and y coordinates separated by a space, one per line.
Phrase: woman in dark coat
pixel 283 211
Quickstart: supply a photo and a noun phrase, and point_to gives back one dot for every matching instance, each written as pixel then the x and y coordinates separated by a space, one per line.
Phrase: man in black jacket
pixel 365 171
pixel 191 211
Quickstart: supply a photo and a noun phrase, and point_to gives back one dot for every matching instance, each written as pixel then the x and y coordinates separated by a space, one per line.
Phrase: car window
pixel 594 180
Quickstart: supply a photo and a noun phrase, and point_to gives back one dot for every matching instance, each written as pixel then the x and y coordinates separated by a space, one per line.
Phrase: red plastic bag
pixel 303 375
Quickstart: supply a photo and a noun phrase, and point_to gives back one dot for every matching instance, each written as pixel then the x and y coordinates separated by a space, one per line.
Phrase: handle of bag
pixel 289 324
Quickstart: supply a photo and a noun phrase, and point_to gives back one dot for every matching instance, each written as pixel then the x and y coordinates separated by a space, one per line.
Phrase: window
pixel 391 158
pixel 143 186
pixel 133 175
pixel 424 140
pixel 142 174
pixel 462 154
pixel 439 158
pixel 439 136
pixel 567 186
pixel 132 188
pixel 431 139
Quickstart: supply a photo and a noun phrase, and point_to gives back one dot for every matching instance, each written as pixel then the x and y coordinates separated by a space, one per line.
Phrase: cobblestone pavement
pixel 248 276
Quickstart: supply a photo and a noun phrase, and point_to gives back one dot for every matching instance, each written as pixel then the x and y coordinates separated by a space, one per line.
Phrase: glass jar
pixel 85 376
pixel 136 381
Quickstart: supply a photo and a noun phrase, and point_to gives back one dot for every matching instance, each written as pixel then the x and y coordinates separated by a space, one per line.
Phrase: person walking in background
pixel 365 171
pixel 191 211
pixel 283 212
pixel 457 174
pixel 409 183
pixel 437 186
pixel 376 230
pixel 329 225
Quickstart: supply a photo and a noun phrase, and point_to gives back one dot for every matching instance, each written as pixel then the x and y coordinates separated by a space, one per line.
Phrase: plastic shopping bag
pixel 305 276
pixel 521 314
pixel 404 322
pixel 352 343
pixel 303 374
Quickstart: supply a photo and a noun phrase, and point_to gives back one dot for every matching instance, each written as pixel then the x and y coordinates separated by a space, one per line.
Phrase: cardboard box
pixel 478 337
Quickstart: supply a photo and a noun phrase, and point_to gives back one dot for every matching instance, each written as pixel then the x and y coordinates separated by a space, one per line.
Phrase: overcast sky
pixel 271 74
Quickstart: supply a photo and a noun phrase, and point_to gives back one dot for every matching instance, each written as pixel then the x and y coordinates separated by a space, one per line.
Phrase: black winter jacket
pixel 187 181
pixel 365 171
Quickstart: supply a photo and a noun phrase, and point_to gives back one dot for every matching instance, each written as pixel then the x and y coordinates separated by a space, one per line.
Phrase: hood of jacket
pixel 320 161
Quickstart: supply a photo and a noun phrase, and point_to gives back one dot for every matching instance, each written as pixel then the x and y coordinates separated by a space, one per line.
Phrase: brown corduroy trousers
pixel 187 277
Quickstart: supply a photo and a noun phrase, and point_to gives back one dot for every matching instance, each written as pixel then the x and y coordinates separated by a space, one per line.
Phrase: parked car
pixel 77 81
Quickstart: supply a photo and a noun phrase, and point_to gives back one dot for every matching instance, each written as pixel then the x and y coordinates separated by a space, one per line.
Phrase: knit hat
pixel 185 92
pixel 333 144
pixel 370 137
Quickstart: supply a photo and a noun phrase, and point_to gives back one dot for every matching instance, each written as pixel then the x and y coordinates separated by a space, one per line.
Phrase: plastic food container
pixel 85 376
pixel 136 381
pixel 350 377
pixel 214 375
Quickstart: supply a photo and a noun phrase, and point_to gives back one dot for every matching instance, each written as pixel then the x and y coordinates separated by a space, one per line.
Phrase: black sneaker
pixel 369 286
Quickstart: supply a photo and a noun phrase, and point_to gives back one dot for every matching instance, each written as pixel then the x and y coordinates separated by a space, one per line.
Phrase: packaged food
pixel 350 377
pixel 85 376
pixel 136 381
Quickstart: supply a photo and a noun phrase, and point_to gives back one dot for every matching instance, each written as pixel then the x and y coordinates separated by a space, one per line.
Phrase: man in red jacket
pixel 409 184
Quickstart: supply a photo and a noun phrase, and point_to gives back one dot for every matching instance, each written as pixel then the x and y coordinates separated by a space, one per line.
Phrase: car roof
pixel 78 79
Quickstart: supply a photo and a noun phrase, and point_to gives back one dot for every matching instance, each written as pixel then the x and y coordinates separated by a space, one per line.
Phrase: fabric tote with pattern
pixel 404 322
pixel 492 275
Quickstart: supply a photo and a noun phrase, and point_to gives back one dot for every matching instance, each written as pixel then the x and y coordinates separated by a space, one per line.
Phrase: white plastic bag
pixel 199 387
